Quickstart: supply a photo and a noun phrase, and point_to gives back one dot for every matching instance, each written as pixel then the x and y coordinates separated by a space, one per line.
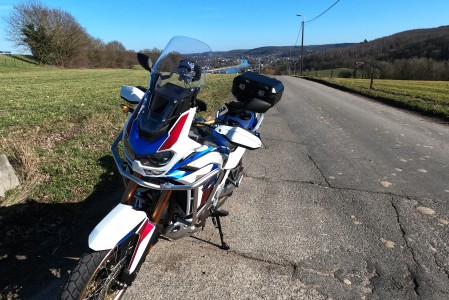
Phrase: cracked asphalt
pixel 347 199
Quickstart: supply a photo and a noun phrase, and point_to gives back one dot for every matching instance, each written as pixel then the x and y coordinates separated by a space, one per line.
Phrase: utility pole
pixel 290 62
pixel 302 43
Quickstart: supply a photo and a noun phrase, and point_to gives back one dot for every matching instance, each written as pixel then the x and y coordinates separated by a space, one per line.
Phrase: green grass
pixel 332 73
pixel 11 62
pixel 216 92
pixel 427 97
pixel 57 125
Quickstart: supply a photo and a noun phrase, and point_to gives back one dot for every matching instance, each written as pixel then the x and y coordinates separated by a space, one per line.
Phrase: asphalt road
pixel 348 199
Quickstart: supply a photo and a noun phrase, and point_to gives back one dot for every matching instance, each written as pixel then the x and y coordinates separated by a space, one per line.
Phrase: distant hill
pixel 279 51
pixel 421 54
pixel 430 43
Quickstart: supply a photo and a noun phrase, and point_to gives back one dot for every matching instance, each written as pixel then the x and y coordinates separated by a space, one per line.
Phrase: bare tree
pixel 114 54
pixel 52 35
pixel 27 27
pixel 95 52
pixel 69 38
pixel 152 53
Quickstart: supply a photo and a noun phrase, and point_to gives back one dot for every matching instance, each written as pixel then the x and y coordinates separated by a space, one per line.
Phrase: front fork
pixel 161 204
pixel 130 190
pixel 156 216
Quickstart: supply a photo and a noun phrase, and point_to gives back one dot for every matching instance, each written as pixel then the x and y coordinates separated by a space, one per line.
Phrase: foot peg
pixel 219 213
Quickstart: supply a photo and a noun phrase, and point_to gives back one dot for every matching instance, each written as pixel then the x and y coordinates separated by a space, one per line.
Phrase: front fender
pixel 117 225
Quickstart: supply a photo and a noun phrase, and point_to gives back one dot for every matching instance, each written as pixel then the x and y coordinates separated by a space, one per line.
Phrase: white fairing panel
pixel 131 94
pixel 234 158
pixel 189 179
pixel 239 136
pixel 114 227
pixel 209 158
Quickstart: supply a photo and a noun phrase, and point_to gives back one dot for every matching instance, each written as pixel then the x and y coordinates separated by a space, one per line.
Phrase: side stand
pixel 216 220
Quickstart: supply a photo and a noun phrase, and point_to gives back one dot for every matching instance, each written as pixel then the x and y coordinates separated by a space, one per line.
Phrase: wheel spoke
pixel 103 286
pixel 97 274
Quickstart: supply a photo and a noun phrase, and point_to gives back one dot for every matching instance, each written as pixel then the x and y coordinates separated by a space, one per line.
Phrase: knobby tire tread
pixel 81 275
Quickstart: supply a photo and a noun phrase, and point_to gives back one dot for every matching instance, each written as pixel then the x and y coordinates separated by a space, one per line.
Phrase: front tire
pixel 97 275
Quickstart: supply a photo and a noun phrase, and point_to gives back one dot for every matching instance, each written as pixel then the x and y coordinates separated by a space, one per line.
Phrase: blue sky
pixel 242 24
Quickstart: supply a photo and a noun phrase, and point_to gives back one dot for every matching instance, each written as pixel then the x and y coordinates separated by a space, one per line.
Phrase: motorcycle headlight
pixel 157 160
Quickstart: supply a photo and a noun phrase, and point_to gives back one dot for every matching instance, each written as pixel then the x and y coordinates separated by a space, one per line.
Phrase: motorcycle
pixel 178 168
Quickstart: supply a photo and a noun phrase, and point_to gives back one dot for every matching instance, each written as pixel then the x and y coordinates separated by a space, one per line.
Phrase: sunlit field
pixel 57 125
pixel 428 97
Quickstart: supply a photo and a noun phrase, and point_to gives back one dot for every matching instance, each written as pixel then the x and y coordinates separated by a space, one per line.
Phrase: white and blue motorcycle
pixel 178 169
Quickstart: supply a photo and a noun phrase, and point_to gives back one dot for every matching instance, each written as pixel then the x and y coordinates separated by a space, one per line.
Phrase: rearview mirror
pixel 145 61
pixel 131 94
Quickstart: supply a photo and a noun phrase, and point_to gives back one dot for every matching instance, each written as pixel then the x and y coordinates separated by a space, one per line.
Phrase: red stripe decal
pixel 143 232
pixel 174 133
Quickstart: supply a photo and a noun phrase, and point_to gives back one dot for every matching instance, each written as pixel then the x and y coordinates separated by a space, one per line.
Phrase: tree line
pixel 54 37
pixel 412 55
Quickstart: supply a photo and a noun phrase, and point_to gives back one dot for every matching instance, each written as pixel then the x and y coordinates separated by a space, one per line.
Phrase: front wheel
pixel 97 275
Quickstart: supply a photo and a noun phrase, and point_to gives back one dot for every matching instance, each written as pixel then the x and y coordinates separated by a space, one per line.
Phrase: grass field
pixel 8 61
pixel 332 73
pixel 427 97
pixel 56 127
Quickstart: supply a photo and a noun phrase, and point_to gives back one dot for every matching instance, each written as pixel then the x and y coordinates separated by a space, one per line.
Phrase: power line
pixel 299 32
pixel 323 12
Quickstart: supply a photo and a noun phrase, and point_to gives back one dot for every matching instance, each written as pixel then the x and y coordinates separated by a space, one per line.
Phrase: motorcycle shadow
pixel 217 245
pixel 41 242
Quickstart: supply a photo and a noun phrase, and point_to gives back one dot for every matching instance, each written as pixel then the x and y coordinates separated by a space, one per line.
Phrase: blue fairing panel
pixel 177 174
pixel 189 159
pixel 143 147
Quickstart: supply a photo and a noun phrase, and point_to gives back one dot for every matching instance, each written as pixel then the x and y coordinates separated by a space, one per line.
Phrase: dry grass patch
pixel 26 164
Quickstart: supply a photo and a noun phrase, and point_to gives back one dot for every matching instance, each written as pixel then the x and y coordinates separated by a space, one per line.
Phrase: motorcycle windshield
pixel 181 48
pixel 175 81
